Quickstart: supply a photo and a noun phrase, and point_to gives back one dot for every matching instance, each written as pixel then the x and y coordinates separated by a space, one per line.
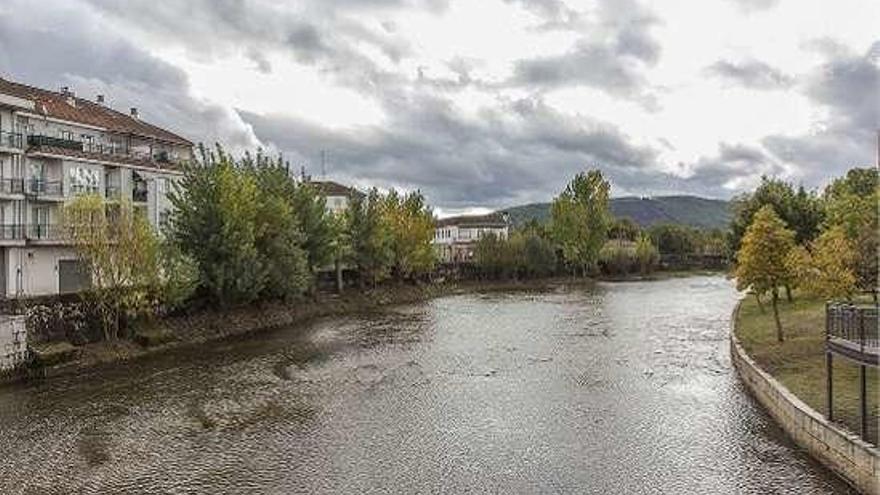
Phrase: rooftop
pixel 490 220
pixel 55 105
pixel 330 188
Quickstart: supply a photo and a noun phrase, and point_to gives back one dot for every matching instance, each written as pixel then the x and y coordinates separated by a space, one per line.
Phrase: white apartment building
pixel 54 146
pixel 455 237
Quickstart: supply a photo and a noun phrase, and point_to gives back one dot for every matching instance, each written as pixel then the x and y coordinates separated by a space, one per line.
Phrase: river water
pixel 622 388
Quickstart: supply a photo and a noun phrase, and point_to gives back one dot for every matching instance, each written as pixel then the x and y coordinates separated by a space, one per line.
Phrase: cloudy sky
pixel 483 103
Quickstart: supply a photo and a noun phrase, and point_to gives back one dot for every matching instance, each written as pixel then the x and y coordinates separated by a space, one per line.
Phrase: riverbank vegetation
pixel 799 362
pixel 812 248
pixel 826 244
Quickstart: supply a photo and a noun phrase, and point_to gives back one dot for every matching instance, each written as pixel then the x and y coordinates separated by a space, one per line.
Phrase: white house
pixel 455 237
pixel 335 194
pixel 54 146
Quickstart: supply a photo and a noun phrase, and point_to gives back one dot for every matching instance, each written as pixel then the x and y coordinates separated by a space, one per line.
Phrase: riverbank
pixel 799 362
pixel 198 327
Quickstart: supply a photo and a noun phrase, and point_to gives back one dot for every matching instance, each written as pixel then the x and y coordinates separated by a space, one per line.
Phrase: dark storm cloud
pixel 520 151
pixel 751 74
pixel 66 52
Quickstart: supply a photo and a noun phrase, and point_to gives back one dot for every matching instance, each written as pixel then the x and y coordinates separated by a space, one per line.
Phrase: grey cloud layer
pixel 516 150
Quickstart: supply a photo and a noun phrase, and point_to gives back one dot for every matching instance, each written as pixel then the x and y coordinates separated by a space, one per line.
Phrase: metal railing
pixel 11 232
pixel 41 187
pixel 11 186
pixel 10 139
pixel 45 232
pixel 853 323
pixel 43 140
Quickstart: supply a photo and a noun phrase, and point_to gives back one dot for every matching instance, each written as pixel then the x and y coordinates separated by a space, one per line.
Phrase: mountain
pixel 684 210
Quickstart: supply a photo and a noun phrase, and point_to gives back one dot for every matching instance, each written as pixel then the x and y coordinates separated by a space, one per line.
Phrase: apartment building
pixel 55 146
pixel 336 195
pixel 456 237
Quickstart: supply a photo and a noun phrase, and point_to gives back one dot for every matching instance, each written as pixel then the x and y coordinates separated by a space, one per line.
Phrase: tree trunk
pixel 774 301
pixel 338 277
pixel 760 304
pixel 788 293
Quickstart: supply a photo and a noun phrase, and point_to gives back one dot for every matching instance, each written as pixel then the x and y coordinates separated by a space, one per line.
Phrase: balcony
pixel 10 232
pixel 10 140
pixel 41 140
pixel 11 186
pixel 40 187
pixel 44 232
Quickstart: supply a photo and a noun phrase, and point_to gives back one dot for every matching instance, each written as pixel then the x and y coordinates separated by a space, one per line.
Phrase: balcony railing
pixel 41 140
pixel 40 187
pixel 44 232
pixel 11 186
pixel 10 139
pixel 10 232
pixel 93 147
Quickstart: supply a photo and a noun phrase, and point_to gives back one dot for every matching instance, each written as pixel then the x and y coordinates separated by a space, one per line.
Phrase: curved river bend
pixel 624 388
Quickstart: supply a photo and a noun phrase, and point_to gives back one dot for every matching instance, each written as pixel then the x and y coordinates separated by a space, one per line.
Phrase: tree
pixel 675 239
pixel 278 238
pixel 580 220
pixel 647 255
pixel 826 270
pixel 762 259
pixel 801 210
pixel 411 226
pixel 852 204
pixel 624 229
pixel 538 254
pixel 369 238
pixel 318 226
pixel 214 221
pixel 117 246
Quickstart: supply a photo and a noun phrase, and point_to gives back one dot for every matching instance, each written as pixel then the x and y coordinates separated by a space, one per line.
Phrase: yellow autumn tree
pixel 827 269
pixel 762 259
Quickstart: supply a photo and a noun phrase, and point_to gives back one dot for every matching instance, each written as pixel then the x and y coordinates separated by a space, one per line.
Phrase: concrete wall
pixel 13 342
pixel 39 267
pixel 841 451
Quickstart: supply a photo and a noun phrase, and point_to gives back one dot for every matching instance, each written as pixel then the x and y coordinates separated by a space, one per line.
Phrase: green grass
pixel 799 362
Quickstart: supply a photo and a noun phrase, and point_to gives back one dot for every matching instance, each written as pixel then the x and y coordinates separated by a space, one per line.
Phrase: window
pixel 84 180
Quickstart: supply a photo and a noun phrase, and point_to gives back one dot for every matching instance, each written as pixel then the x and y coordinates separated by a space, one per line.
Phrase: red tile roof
pixel 55 105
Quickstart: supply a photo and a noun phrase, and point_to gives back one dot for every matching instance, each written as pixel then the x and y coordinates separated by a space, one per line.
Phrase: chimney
pixel 99 99
pixel 134 112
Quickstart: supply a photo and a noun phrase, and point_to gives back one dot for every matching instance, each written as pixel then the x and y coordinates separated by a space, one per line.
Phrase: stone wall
pixel 841 451
pixel 13 343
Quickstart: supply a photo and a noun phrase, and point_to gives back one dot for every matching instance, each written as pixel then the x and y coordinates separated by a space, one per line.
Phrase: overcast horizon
pixel 483 104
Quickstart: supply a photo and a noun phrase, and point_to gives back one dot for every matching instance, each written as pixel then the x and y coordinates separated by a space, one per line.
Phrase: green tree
pixel 762 261
pixel 118 247
pixel 369 238
pixel 826 270
pixel 318 226
pixel 214 221
pixel 580 220
pixel 647 255
pixel 801 210
pixel 411 226
pixel 539 255
pixel 852 204
pixel 675 239
pixel 624 229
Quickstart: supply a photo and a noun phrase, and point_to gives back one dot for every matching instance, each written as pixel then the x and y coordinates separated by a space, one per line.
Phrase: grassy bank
pixel 799 362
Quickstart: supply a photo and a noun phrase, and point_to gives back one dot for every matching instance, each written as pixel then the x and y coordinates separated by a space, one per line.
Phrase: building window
pixel 84 180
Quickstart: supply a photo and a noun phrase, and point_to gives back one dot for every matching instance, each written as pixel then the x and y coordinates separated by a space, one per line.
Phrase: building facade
pixel 55 146
pixel 456 237
pixel 336 196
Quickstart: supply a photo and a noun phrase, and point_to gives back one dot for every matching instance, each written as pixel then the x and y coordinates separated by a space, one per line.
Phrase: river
pixel 621 388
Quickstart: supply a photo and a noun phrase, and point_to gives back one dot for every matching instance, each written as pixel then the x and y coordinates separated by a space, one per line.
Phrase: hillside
pixel 684 210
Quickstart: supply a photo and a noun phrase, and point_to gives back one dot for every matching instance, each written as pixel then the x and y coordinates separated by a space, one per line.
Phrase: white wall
pixel 39 268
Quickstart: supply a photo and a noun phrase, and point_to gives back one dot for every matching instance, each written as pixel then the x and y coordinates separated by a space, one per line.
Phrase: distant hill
pixel 684 210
